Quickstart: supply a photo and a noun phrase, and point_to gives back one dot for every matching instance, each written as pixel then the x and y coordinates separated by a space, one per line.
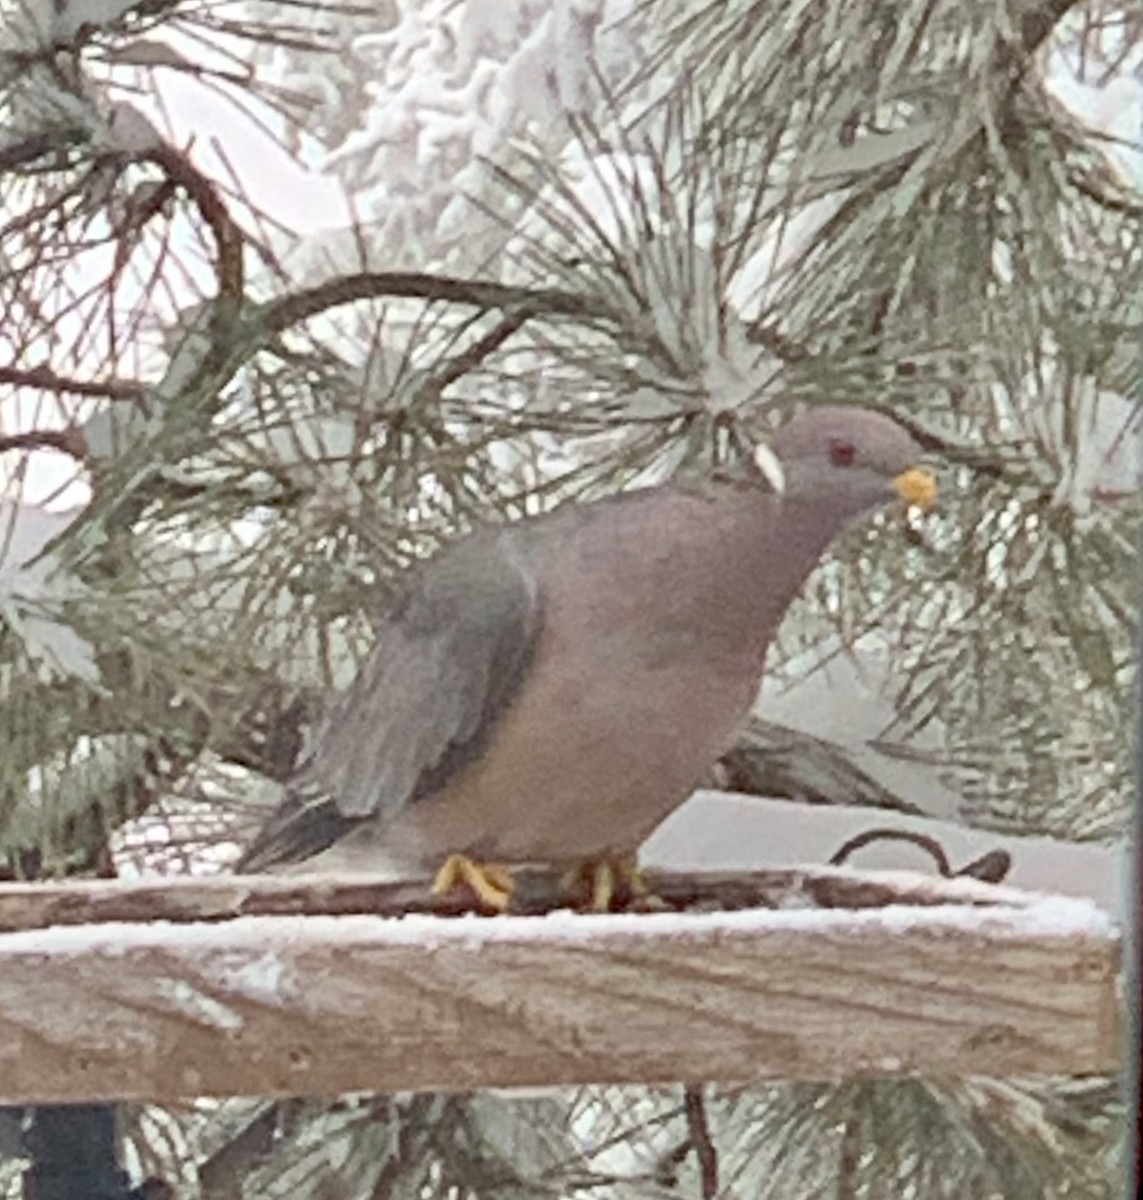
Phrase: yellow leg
pixel 489 883
pixel 602 886
pixel 598 882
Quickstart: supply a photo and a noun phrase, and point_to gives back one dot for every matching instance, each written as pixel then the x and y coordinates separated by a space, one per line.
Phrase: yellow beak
pixel 916 486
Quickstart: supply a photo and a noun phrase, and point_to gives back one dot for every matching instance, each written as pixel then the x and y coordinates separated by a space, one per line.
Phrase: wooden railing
pixel 257 986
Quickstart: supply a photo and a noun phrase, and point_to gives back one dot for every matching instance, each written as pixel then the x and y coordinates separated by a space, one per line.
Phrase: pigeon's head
pixel 859 458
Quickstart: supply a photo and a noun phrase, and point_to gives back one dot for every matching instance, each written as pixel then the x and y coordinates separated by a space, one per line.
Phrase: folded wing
pixel 451 654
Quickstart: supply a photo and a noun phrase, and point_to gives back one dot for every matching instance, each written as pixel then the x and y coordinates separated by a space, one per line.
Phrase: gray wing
pixel 451 653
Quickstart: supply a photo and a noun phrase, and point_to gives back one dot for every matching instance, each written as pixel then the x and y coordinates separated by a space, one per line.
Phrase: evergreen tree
pixel 573 247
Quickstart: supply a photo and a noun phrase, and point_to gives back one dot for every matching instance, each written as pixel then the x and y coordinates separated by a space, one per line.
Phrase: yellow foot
pixel 603 884
pixel 490 883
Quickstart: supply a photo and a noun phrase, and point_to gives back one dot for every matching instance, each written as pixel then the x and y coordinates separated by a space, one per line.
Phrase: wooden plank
pixel 276 1005
pixel 184 899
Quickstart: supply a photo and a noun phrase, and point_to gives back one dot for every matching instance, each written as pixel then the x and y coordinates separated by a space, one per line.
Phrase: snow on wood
pixel 728 832
pixel 218 898
pixel 917 975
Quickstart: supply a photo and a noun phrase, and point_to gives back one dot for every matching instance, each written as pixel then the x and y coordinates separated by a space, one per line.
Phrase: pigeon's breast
pixel 654 633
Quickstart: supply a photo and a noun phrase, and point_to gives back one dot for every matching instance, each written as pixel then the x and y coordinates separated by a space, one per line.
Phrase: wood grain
pixel 288 1005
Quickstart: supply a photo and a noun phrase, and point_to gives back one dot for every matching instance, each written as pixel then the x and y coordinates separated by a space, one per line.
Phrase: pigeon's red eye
pixel 842 454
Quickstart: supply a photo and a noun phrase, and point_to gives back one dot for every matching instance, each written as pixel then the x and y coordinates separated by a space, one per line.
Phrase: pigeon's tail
pixel 306 823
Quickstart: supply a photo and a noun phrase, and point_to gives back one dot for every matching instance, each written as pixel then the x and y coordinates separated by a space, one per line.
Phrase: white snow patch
pixel 725 831
pixel 201 1008
pixel 263 978
pixel 787 239
pixel 263 975
pixel 845 694
pixel 1108 100
pixel 25 529
pixel 273 178
pixel 31 596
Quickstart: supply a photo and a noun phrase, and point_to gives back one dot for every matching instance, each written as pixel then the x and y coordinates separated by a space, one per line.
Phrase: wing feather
pixel 450 656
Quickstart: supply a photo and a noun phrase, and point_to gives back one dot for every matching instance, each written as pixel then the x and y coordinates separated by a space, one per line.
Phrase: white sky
pixel 288 191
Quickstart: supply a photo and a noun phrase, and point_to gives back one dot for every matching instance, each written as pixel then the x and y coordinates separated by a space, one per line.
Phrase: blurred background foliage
pixel 488 257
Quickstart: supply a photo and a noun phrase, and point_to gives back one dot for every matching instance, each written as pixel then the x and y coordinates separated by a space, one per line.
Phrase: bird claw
pixel 490 883
pixel 597 885
pixel 605 884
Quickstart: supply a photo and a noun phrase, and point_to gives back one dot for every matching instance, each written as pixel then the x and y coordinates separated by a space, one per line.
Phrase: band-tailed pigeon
pixel 549 690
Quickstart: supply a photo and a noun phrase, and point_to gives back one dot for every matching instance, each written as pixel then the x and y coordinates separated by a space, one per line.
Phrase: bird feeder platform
pixel 162 990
